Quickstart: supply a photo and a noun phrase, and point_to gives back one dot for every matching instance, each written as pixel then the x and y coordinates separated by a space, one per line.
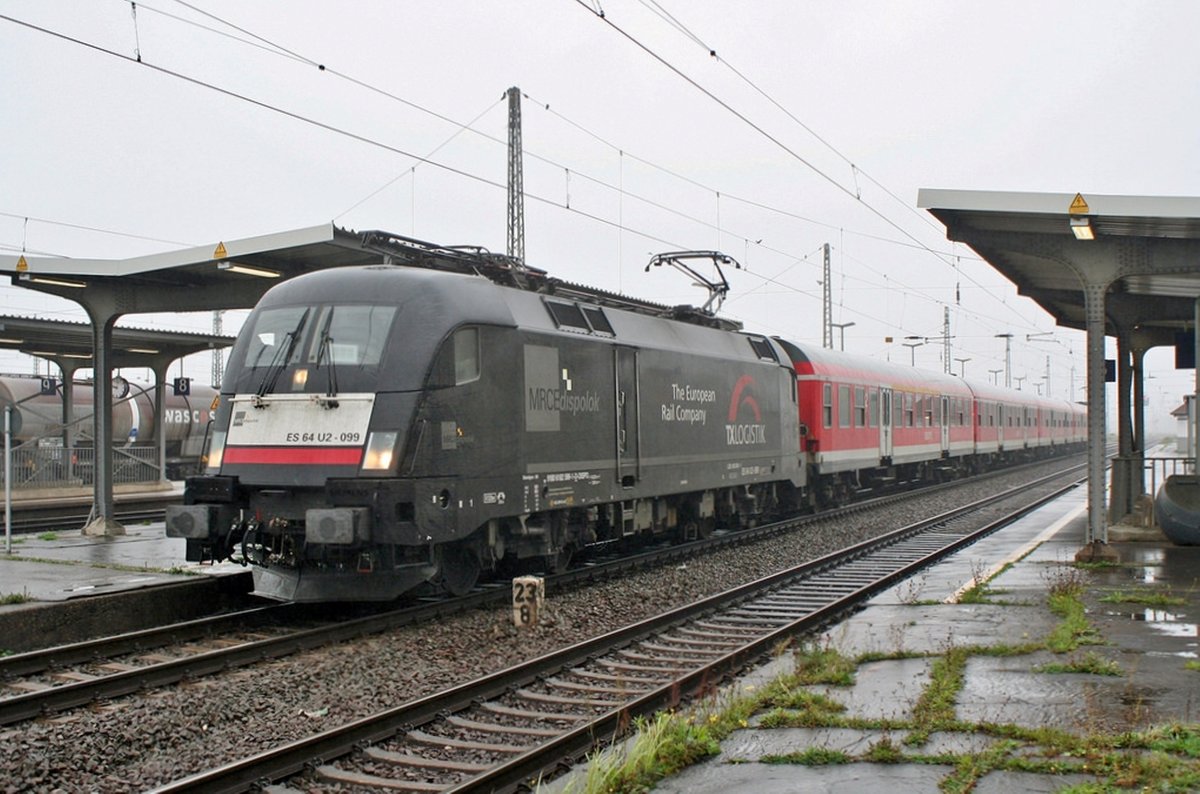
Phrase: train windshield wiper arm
pixel 325 352
pixel 281 358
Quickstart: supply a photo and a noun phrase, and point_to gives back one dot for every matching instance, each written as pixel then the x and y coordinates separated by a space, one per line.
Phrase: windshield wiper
pixel 281 358
pixel 325 351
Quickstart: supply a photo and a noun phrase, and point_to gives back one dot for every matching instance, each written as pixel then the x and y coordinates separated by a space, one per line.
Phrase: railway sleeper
pixel 336 774
pixel 622 691
pixel 422 738
pixel 561 700
pixel 532 714
pixel 420 762
pixel 495 727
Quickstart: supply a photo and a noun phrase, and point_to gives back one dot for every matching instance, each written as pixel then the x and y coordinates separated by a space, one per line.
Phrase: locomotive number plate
pixel 300 420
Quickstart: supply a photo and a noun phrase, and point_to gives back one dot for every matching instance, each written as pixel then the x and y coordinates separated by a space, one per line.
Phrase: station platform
pixel 61 587
pixel 165 491
pixel 1013 698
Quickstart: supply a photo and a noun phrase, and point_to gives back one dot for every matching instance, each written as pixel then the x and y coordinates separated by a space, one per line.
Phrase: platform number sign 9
pixel 528 594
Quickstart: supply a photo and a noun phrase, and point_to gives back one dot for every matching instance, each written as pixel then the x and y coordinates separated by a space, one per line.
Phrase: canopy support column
pixel 1096 540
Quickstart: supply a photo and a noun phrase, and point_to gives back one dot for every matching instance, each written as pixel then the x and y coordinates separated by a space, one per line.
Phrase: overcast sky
pixel 823 122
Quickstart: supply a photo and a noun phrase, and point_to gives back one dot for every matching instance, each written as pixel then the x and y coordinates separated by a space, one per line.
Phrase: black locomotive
pixel 389 426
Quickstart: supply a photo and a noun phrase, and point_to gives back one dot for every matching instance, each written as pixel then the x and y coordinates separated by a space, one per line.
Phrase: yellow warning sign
pixel 22 265
pixel 221 253
pixel 1079 206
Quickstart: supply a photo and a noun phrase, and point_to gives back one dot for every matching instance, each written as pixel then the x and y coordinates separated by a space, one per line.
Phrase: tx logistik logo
pixel 744 433
pixel 549 392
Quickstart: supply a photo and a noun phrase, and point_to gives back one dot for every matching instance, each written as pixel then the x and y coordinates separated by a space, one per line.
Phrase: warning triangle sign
pixel 221 253
pixel 1079 206
pixel 22 265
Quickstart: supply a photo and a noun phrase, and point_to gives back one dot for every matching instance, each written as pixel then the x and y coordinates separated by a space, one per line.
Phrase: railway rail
pixel 506 729
pixel 57 679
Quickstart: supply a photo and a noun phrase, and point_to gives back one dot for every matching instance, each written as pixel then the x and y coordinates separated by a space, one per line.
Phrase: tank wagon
pixel 38 417
pixel 388 426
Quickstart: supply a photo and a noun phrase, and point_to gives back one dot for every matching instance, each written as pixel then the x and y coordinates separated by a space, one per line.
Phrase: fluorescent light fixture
pixel 142 350
pixel 59 354
pixel 5 341
pixel 1083 228
pixel 54 282
pixel 248 270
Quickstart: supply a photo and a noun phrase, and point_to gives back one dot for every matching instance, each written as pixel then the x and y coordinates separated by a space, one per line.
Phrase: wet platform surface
pixel 1150 646
pixel 56 566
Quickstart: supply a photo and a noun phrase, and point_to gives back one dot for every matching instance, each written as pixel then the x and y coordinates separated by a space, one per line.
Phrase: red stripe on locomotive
pixel 300 456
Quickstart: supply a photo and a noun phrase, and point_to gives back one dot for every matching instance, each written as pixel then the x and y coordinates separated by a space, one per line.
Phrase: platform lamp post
pixel 842 329
pixel 1020 379
pixel 962 366
pixel 8 479
pixel 1007 358
pixel 995 373
pixel 912 348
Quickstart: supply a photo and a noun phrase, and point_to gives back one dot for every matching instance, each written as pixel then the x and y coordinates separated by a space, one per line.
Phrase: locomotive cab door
pixel 885 423
pixel 628 418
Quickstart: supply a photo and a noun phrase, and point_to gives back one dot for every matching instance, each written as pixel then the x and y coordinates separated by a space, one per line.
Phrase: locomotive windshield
pixel 339 335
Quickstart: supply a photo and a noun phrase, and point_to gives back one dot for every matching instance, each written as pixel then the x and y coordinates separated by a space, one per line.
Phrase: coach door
pixel 628 419
pixel 885 423
pixel 945 417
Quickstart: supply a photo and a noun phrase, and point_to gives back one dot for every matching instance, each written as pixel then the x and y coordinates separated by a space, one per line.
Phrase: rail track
pixel 57 679
pixel 504 730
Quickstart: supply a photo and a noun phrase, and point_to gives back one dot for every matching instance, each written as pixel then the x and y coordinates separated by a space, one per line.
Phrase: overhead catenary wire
pixel 767 135
pixel 618 224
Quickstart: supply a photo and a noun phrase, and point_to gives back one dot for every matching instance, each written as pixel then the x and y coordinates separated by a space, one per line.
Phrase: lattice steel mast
pixel 516 179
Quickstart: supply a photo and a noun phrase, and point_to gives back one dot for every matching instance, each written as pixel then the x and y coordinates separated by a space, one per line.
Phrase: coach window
pixel 827 410
pixel 873 413
pixel 908 410
pixel 466 355
pixel 843 406
pixel 860 406
pixel 928 411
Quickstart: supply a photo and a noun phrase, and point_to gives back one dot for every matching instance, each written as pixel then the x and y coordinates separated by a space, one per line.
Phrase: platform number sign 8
pixel 528 594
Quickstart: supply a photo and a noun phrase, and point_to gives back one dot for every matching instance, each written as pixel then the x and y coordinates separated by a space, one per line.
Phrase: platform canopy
pixel 226 274
pixel 1123 266
pixel 67 342
pixel 1147 249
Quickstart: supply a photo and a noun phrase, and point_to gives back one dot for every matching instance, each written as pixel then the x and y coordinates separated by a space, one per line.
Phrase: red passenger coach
pixel 867 422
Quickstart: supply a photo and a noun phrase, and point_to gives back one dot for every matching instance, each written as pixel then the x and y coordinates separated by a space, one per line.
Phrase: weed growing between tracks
pixel 1165 758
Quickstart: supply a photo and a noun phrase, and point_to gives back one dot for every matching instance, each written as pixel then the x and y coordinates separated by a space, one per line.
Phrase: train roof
pixel 811 360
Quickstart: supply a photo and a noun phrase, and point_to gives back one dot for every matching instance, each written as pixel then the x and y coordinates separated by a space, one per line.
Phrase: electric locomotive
pixel 389 427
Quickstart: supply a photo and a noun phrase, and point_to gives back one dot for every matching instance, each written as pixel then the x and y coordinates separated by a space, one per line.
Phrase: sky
pixel 765 130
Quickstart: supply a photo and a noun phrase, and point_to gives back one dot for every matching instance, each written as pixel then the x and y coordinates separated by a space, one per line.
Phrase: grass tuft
pixel 1091 663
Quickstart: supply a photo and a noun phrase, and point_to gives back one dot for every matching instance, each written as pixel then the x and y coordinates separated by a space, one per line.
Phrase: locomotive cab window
pixel 466 355
pixel 349 335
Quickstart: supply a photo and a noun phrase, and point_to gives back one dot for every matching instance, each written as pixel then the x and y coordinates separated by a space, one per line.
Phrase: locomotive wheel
pixel 460 569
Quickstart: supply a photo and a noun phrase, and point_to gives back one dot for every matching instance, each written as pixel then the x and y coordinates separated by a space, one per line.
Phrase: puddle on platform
pixel 1165 623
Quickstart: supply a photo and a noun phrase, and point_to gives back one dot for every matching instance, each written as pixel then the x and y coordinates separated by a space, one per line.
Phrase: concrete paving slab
pixel 753 745
pixel 885 690
pixel 929 628
pixel 64 565
pixel 1006 782
pixel 1009 690
pixel 717 778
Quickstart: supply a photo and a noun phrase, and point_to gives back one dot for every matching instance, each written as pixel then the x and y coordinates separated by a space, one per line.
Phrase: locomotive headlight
pixel 381 449
pixel 216 450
